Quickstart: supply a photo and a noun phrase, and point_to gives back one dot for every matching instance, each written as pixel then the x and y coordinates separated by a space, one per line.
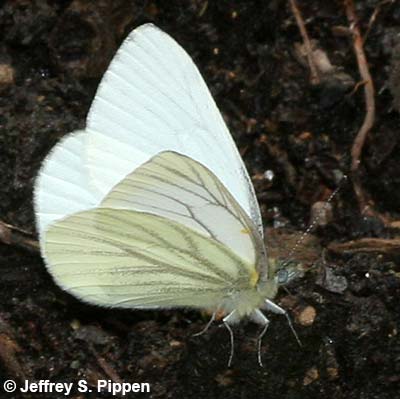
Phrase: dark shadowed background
pixel 346 307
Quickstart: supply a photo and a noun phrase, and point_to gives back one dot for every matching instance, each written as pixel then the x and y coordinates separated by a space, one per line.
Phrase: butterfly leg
pixel 274 308
pixel 207 325
pixel 259 317
pixel 229 320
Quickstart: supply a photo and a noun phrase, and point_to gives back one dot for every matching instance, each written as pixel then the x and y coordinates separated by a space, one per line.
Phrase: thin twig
pixel 9 350
pixel 356 87
pixel 314 76
pixel 390 246
pixel 369 94
pixel 107 368
pixel 374 15
pixel 11 235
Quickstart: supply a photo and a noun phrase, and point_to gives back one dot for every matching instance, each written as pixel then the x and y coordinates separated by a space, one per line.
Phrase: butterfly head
pixel 284 271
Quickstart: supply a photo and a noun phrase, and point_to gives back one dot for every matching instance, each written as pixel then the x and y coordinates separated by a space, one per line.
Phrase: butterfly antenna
pixel 317 218
pixel 207 325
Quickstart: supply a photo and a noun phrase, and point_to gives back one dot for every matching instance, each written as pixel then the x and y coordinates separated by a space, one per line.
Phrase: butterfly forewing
pixel 151 99
pixel 63 186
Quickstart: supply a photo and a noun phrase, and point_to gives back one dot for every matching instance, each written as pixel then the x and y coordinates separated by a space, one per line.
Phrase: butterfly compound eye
pixel 282 276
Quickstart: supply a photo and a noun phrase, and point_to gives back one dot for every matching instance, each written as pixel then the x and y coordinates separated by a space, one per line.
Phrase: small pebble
pixel 331 281
pixel 269 175
pixel 75 324
pixel 225 379
pixel 7 75
pixel 333 373
pixel 321 213
pixel 92 334
pixel 175 344
pixel 75 364
pixel 311 375
pixel 307 316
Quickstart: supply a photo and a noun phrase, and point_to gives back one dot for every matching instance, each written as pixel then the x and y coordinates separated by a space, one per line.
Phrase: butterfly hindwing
pixel 125 258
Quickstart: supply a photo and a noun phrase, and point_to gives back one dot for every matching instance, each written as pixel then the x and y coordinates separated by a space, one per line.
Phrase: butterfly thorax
pixel 245 301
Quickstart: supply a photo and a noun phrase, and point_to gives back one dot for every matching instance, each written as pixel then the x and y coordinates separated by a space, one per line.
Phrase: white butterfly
pixel 151 205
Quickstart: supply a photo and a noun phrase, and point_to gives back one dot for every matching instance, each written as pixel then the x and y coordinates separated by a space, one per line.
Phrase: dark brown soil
pixel 52 56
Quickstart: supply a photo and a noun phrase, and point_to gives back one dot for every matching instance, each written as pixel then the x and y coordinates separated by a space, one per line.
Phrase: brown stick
pixel 389 246
pixel 11 235
pixel 107 368
pixel 9 350
pixel 314 76
pixel 369 95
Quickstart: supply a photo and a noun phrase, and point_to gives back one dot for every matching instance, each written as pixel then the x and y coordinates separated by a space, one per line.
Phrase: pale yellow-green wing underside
pixel 125 258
